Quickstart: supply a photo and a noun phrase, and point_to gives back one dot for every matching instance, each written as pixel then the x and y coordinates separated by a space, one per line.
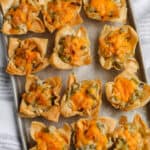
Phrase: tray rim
pixel 13 79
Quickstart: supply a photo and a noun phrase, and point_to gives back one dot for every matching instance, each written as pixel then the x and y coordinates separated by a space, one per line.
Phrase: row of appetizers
pixel 72 49
pixel 102 133
pixel 83 98
pixel 21 16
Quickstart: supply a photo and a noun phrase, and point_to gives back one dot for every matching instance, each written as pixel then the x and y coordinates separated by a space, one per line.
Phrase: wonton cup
pixel 127 92
pixel 21 17
pixel 72 49
pixel 27 56
pixel 50 137
pixel 131 135
pixel 93 134
pixel 59 13
pixel 81 98
pixel 41 98
pixel 116 46
pixel 106 10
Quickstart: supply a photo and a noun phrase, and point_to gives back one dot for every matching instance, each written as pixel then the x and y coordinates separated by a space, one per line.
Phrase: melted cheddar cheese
pixel 73 48
pixel 27 56
pixel 133 139
pixel 117 43
pixel 50 141
pixel 82 100
pixel 124 88
pixel 106 8
pixel 60 13
pixel 87 133
pixel 22 15
pixel 41 96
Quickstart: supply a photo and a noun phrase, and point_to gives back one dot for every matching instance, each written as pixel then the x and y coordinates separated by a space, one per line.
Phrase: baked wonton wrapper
pixel 106 10
pixel 133 135
pixel 81 98
pixel 92 134
pixel 116 46
pixel 72 48
pixel 58 13
pixel 50 138
pixel 21 16
pixel 41 98
pixel 6 4
pixel 27 56
pixel 127 92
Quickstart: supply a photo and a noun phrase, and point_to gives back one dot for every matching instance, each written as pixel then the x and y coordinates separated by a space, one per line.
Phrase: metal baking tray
pixel 87 72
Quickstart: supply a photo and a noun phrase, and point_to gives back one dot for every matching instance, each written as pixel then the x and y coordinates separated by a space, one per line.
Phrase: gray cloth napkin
pixel 8 134
pixel 141 9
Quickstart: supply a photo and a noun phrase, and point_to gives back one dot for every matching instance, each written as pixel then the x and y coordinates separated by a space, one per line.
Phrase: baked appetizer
pixel 133 135
pixel 50 138
pixel 72 48
pixel 27 56
pixel 41 98
pixel 58 13
pixel 6 4
pixel 21 16
pixel 81 98
pixel 116 46
pixel 106 10
pixel 127 92
pixel 92 134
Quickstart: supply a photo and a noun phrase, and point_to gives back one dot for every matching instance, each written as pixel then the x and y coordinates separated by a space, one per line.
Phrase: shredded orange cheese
pixel 117 43
pixel 81 99
pixel 106 8
pixel 27 55
pixel 124 88
pixel 21 15
pixel 40 95
pixel 73 48
pixel 132 139
pixel 30 56
pixel 62 12
pixel 88 132
pixel 49 141
pixel 26 62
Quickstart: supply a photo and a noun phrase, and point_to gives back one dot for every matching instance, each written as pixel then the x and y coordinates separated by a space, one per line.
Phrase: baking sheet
pixel 93 71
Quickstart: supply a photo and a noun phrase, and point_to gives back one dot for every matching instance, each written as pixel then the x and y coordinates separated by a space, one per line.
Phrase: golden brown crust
pixel 67 104
pixel 106 62
pixel 36 127
pixel 58 23
pixel 14 44
pixel 138 120
pixel 37 26
pixel 64 132
pixel 140 100
pixel 6 4
pixel 122 12
pixel 49 112
pixel 85 59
